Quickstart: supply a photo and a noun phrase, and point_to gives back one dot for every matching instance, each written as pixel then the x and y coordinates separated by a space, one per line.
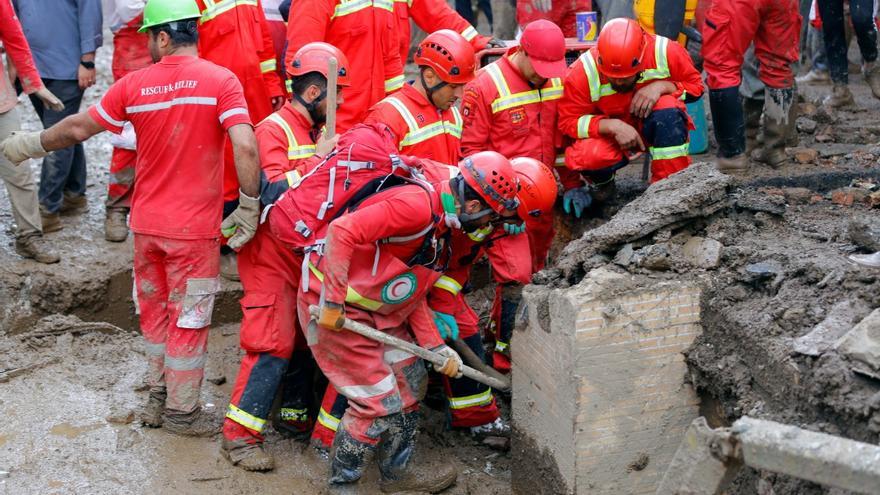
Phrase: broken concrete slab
pixel 698 191
pixel 864 233
pixel 624 256
pixel 807 125
pixel 862 343
pixel 838 149
pixel 654 257
pixel 827 333
pixel 755 201
pixel 702 252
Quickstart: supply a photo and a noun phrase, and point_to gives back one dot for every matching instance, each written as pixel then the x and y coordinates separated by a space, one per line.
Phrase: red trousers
pixel 270 274
pixel 121 182
pixel 732 25
pixel 176 280
pixel 664 131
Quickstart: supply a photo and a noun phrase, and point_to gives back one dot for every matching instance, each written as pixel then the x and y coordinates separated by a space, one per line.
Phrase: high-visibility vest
pixel 419 134
pixel 295 151
pixel 507 99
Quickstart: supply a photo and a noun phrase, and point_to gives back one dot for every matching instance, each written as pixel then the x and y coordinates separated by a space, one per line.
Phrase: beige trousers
pixel 19 184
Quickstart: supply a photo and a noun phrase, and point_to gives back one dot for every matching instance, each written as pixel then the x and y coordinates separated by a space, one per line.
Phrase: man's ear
pixel 472 206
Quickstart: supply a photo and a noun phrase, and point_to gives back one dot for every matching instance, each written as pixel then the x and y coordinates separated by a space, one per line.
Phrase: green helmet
pixel 158 12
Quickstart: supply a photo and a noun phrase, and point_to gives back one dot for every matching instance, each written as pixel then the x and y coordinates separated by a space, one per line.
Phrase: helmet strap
pixel 312 107
pixel 458 189
pixel 429 90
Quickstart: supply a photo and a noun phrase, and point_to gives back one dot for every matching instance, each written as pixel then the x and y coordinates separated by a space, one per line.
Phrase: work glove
pixel 21 145
pixel 332 316
pixel 495 43
pixel 578 199
pixel 515 228
pixel 446 325
pixel 49 99
pixel 241 225
pixel 452 366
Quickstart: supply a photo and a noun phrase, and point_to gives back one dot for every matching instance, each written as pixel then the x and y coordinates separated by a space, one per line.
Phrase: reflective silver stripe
pixel 233 111
pixel 106 116
pixel 382 387
pixel 670 152
pixel 268 65
pixel 393 356
pixel 500 346
pixel 660 59
pixel 345 8
pixel 272 14
pixel 584 126
pixel 186 363
pixel 245 419
pixel 448 284
pixel 592 74
pixel 327 419
pixel 185 100
pixel 384 4
pixel 394 83
pixel 407 238
pixel 469 33
pixel 215 9
pixel 479 399
pixel 155 349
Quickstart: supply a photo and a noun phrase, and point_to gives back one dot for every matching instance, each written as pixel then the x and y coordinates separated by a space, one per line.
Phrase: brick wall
pixel 605 366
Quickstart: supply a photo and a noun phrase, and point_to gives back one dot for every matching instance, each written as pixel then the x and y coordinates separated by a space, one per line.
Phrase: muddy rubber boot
pixel 872 76
pixel 229 266
pixel 348 460
pixel 753 108
pixel 729 124
pixel 115 228
pixel 33 247
pixel 248 456
pixel 152 413
pixel 777 105
pixel 497 428
pixel 840 97
pixel 395 454
pixel 51 221
pixel 195 424
pixel 792 140
pixel 73 204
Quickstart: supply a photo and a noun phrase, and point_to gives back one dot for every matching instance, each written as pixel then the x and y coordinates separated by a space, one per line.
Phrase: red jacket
pixel 430 16
pixel 502 112
pixel 130 52
pixel 365 31
pixel 287 151
pixel 588 100
pixel 422 130
pixel 18 51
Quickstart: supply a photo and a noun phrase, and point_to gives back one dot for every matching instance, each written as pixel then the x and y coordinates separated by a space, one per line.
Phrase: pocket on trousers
pixel 259 327
pixel 198 303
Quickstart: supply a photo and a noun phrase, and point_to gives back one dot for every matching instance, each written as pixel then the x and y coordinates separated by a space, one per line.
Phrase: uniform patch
pixel 420 118
pixel 399 288
pixel 517 115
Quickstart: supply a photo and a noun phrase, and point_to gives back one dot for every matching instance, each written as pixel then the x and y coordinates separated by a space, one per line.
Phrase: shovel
pixel 332 77
pixel 499 382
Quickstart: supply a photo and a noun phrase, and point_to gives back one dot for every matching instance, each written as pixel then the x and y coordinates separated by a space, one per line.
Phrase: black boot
pixel 727 118
pixel 394 460
pixel 295 417
pixel 348 458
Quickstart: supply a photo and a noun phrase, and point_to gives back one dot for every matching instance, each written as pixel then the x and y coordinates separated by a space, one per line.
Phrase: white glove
pixel 241 225
pixel 452 366
pixel 21 145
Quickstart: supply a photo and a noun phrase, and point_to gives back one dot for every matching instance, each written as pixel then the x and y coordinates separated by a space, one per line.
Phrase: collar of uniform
pixel 177 59
pixel 505 60
pixel 295 117
pixel 413 94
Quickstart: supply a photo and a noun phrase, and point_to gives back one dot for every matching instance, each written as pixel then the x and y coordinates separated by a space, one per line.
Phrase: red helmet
pixel 491 176
pixel 537 187
pixel 449 54
pixel 621 48
pixel 313 57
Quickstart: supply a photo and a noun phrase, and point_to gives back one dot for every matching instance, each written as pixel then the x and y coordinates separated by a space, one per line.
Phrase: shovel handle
pixel 430 356
pixel 332 77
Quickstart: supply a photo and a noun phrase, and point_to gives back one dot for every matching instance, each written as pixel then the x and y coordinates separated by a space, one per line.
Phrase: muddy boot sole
pixel 413 483
pixel 151 415
pixel 250 457
pixel 202 425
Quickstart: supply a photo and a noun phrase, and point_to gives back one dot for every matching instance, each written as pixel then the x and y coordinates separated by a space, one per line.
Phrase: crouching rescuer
pixel 182 108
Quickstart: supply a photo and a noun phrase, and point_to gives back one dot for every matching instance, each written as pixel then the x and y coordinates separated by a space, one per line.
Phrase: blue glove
pixel 578 198
pixel 513 228
pixel 446 325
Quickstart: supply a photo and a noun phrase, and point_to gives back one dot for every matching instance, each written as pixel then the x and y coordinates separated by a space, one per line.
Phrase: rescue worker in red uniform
pixel 129 54
pixel 511 108
pixel 291 143
pixel 182 109
pixel 369 274
pixel 730 27
pixel 235 35
pixel 559 12
pixel 366 33
pixel 626 95
pixel 422 114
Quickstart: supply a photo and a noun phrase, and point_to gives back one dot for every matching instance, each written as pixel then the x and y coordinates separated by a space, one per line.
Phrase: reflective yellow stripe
pixel 293 178
pixel 584 126
pixel 294 150
pixel 500 346
pixel 560 160
pixel 394 83
pixel 481 399
pixel 662 70
pixel 327 420
pixel 417 134
pixel 669 152
pixel 469 33
pixel 268 65
pixel 350 7
pixel 554 92
pixel 245 419
pixel 507 100
pixel 288 414
pixel 384 4
pixel 480 235
pixel 351 296
pixel 289 85
pixel 213 9
pixel 448 284
pixel 597 89
pixel 498 78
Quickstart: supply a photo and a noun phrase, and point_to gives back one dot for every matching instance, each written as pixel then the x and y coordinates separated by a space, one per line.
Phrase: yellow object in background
pixel 644 12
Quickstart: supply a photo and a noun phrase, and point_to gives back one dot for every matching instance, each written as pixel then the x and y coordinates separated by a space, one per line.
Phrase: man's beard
pixel 624 88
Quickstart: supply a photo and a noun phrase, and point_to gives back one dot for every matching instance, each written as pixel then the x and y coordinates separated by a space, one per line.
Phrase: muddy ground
pixel 67 412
